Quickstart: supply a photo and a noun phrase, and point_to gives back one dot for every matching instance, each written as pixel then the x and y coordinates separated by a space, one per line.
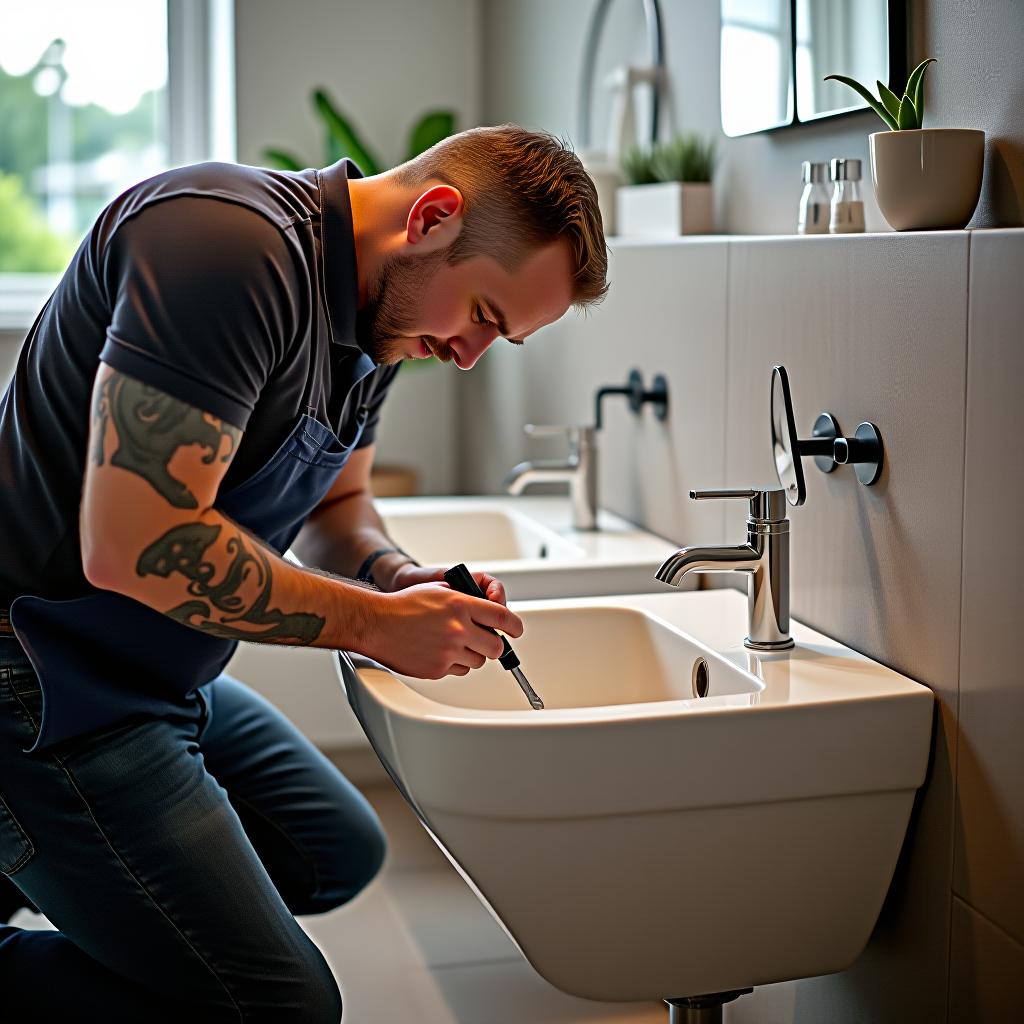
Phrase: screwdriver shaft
pixel 535 702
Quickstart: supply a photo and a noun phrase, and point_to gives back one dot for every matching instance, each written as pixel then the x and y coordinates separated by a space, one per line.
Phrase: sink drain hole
pixel 701 681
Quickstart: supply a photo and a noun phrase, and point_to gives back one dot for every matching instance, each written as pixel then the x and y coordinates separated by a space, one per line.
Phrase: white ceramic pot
pixel 664 210
pixel 927 177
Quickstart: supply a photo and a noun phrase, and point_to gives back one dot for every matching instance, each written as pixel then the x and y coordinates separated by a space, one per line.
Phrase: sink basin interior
pixel 594 657
pixel 475 535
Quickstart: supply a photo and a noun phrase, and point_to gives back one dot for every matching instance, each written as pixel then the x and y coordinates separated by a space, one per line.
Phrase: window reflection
pixel 756 83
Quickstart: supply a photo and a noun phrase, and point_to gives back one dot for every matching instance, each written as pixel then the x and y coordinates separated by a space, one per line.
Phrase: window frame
pixel 201 122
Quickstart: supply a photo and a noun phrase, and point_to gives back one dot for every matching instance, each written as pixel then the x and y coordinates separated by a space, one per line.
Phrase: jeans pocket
pixel 23 684
pixel 16 848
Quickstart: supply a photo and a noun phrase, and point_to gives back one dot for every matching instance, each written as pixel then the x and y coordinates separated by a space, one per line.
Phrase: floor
pixel 416 945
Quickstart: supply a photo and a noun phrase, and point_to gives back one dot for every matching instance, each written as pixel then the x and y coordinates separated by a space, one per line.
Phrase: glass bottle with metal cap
pixel 847 213
pixel 815 201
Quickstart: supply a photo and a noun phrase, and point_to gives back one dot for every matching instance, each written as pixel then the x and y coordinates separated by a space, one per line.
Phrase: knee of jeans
pixel 308 993
pixel 357 860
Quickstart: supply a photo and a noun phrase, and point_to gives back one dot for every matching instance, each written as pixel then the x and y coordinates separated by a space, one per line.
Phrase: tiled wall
pixel 874 328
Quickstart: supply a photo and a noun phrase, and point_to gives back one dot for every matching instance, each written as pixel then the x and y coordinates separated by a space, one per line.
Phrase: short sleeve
pixel 382 379
pixel 206 297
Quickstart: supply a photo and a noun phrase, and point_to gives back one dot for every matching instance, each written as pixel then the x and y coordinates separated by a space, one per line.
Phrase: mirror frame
pixel 896 13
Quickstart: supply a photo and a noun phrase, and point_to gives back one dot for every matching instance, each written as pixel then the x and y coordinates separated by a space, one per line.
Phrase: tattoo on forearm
pixel 151 426
pixel 219 603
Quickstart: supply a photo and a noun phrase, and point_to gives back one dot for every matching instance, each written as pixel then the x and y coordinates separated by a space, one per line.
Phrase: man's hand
pixel 410 575
pixel 430 631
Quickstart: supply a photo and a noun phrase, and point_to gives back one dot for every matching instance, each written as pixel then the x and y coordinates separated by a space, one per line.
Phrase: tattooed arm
pixel 149 530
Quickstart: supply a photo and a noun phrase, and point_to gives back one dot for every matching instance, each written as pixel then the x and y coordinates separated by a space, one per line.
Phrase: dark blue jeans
pixel 172 853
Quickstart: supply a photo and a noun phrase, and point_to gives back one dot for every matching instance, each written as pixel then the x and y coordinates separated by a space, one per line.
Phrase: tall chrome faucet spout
pixel 740 558
pixel 765 557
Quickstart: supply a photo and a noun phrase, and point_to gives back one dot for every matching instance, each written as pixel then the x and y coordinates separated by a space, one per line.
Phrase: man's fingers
pixel 473 659
pixel 497 616
pixel 493 589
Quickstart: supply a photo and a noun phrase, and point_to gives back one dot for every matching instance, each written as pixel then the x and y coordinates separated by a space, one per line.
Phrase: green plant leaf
pixel 889 99
pixel 916 78
pixel 281 160
pixel 638 166
pixel 342 138
pixel 429 130
pixel 907 118
pixel 871 101
pixel 918 92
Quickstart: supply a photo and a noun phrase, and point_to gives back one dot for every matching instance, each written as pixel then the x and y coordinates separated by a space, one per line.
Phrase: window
pixel 93 98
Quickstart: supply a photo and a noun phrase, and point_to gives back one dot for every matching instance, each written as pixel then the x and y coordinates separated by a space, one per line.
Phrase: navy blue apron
pixel 103 657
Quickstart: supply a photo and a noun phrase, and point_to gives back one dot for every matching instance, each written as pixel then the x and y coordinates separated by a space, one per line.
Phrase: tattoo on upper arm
pixel 151 426
pixel 219 605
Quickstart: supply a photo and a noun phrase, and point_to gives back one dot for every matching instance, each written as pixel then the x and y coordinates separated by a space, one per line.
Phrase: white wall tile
pixel 989 853
pixel 871 328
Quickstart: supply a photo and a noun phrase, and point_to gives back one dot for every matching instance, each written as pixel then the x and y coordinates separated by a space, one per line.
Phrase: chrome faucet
pixel 765 557
pixel 579 471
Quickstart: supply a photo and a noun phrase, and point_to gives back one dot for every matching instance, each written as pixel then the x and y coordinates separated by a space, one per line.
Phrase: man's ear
pixel 435 219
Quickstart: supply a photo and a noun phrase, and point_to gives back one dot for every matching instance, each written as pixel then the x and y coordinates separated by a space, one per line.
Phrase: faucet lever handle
pixel 547 430
pixel 702 495
pixel 765 505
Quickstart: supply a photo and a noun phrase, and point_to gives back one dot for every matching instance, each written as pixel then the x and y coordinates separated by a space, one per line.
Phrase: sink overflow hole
pixel 701 684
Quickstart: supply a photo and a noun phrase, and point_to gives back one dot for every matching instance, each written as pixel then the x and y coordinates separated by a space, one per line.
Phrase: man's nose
pixel 469 347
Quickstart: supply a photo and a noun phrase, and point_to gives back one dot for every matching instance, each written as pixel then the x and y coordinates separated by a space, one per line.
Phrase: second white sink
pixel 528 544
pixel 479 533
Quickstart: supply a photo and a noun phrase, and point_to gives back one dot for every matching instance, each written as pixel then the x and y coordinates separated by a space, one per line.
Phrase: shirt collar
pixel 341 280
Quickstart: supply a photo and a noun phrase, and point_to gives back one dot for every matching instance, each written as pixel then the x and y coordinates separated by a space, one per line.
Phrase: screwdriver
pixel 461 579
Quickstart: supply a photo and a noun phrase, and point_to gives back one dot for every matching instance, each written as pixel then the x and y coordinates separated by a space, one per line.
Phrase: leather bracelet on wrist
pixel 365 573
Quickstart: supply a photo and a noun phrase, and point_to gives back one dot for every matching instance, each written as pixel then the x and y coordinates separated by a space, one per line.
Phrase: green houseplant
pixel 923 177
pixel 342 139
pixel 668 190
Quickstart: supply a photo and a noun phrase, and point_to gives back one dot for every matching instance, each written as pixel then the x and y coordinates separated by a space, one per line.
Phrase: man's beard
pixel 385 323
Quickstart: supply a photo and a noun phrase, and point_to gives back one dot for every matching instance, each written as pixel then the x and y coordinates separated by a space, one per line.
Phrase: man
pixel 201 393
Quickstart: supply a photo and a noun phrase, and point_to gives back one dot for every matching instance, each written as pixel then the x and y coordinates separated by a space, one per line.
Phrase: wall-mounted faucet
pixel 638 395
pixel 578 470
pixel 765 557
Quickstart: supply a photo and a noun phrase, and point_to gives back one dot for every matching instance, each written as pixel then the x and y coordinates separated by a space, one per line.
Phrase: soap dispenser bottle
pixel 847 214
pixel 815 202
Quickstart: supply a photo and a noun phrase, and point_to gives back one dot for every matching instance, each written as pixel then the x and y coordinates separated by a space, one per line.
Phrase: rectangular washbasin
pixel 481 534
pixel 637 841
pixel 529 544
pixel 595 658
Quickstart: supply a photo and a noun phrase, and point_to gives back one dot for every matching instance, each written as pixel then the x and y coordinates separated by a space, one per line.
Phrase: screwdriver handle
pixel 459 578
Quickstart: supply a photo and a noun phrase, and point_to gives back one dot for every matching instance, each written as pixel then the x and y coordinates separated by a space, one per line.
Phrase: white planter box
pixel 664 210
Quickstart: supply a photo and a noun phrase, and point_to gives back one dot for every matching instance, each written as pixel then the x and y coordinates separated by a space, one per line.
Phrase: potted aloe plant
pixel 923 177
pixel 669 189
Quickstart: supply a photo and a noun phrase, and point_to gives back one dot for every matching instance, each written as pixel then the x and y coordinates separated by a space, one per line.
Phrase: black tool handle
pixel 459 578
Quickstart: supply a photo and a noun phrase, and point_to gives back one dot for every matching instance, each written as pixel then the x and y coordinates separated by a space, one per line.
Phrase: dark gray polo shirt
pixel 229 288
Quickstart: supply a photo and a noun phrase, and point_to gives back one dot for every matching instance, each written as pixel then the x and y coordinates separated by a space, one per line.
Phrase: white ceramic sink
pixel 527 543
pixel 639 842
pixel 484 533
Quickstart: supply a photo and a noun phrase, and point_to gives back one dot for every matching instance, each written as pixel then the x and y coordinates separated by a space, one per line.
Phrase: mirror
pixel 785 444
pixel 848 37
pixel 772 78
pixel 756 65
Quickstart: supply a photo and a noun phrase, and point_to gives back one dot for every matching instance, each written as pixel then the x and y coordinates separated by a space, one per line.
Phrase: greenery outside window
pixel 93 98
